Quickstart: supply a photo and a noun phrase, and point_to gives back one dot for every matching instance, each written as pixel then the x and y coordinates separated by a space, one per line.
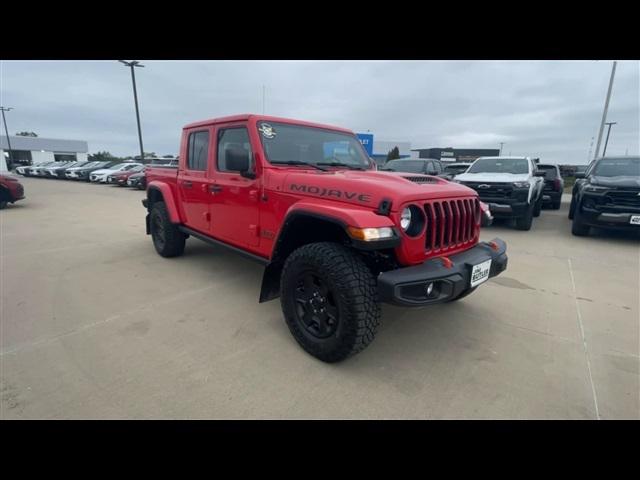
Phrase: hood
pixel 492 177
pixel 626 181
pixel 102 170
pixel 365 188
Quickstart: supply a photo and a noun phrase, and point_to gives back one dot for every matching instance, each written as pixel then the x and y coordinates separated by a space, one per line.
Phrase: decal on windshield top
pixel 267 130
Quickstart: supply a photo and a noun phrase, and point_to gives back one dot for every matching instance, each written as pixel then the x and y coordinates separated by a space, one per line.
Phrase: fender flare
pixel 168 198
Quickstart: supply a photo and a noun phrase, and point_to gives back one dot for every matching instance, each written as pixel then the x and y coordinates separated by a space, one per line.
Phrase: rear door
pixel 193 179
pixel 234 207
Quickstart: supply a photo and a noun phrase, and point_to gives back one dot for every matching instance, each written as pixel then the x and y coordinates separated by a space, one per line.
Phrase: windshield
pixel 456 168
pixel 298 144
pixel 500 165
pixel 616 167
pixel 410 166
pixel 550 171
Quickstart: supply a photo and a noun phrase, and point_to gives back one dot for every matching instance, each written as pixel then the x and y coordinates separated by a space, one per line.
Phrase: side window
pixel 198 150
pixel 437 167
pixel 233 141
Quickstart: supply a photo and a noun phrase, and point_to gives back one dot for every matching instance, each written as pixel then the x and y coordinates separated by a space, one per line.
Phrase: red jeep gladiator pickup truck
pixel 336 236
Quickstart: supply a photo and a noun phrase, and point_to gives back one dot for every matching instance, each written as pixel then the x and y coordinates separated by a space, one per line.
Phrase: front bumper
pixel 617 220
pixel 407 286
pixel 506 208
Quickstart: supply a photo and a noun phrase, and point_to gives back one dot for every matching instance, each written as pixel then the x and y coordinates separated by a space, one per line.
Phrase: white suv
pixel 511 186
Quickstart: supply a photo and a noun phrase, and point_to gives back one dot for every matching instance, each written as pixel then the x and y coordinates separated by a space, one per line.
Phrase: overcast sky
pixel 550 109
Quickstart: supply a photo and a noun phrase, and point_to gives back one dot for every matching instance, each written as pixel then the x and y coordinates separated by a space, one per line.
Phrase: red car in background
pixel 11 190
pixel 120 178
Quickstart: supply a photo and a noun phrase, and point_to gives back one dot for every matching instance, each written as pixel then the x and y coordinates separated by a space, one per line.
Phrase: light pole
pixel 132 65
pixel 607 140
pixel 606 108
pixel 6 130
pixel 501 144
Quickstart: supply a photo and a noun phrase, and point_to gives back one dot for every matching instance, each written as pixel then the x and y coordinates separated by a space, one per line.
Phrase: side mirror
pixel 579 175
pixel 238 161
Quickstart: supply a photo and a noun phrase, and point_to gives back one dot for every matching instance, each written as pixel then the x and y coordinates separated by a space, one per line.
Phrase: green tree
pixel 27 134
pixel 102 157
pixel 393 154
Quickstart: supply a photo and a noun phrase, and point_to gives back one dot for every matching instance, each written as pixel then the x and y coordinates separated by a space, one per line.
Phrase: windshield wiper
pixel 340 164
pixel 297 162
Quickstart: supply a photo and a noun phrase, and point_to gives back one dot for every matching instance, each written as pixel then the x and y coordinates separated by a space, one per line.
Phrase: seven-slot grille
pixel 451 223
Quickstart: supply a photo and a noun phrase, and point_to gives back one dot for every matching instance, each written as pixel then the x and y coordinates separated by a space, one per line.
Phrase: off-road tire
pixel 169 242
pixel 352 289
pixel 556 204
pixel 525 222
pixel 3 204
pixel 578 227
pixel 537 208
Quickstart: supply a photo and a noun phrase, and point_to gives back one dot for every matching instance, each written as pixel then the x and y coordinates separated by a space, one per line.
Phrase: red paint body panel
pixel 249 213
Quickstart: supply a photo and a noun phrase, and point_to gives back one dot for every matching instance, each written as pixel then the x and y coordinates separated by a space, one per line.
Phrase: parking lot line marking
pixel 584 340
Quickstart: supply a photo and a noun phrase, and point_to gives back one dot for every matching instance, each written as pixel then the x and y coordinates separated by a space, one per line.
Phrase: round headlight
pixel 405 218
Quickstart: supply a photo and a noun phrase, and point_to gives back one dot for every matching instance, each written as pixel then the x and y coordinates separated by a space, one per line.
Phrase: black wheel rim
pixel 158 231
pixel 315 306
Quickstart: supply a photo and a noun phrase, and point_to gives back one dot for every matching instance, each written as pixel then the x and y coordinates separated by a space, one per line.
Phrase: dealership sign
pixel 366 139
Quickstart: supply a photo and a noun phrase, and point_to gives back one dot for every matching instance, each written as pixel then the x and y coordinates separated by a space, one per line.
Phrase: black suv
pixel 607 195
pixel 553 185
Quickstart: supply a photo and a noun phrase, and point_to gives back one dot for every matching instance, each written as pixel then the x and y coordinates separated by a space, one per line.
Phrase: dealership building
pixel 32 150
pixel 454 154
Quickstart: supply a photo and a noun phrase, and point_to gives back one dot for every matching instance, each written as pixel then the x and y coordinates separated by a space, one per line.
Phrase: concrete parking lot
pixel 94 324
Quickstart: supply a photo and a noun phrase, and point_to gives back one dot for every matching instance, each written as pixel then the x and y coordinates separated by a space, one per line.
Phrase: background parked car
pixel 83 173
pixel 425 166
pixel 607 196
pixel 553 185
pixel 120 178
pixel 11 190
pixel 59 171
pixel 138 180
pixel 100 175
pixel 456 168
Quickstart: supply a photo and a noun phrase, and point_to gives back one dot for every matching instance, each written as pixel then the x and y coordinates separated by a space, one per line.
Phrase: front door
pixel 234 207
pixel 193 181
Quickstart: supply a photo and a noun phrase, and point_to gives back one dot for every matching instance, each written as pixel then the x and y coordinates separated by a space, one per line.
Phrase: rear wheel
pixel 329 300
pixel 168 240
pixel 556 203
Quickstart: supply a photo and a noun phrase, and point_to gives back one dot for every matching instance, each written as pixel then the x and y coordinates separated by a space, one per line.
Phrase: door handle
pixel 215 189
pixel 187 184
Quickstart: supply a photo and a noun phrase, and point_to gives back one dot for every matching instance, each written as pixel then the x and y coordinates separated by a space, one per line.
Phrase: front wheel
pixel 524 222
pixel 329 300
pixel 572 207
pixel 579 228
pixel 537 208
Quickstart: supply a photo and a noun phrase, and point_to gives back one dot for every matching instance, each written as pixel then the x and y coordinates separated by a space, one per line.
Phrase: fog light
pixel 429 289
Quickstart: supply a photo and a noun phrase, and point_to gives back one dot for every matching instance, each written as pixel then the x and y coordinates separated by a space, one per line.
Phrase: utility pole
pixel 590 150
pixel 132 65
pixel 607 140
pixel 501 144
pixel 6 130
pixel 606 107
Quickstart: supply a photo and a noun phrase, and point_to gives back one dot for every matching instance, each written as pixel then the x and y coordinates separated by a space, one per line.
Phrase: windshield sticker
pixel 267 130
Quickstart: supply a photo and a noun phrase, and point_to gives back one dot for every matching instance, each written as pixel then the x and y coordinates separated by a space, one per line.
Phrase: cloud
pixel 547 109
